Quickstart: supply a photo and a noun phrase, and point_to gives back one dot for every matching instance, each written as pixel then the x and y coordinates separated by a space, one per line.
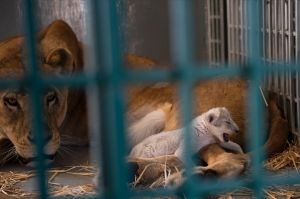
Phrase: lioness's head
pixel 218 121
pixel 59 53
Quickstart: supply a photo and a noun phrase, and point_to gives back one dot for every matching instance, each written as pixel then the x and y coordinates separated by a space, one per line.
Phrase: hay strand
pixel 289 158
pixel 9 183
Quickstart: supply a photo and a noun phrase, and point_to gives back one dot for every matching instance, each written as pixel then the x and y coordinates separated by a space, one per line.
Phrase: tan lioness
pixel 65 110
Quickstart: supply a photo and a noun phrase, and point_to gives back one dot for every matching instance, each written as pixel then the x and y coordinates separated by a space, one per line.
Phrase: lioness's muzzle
pixel 28 160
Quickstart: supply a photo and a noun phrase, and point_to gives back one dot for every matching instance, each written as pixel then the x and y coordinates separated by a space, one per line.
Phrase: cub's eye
pixel 51 98
pixel 11 101
pixel 227 122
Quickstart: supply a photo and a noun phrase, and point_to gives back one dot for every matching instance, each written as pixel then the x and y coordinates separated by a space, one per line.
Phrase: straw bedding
pixel 10 181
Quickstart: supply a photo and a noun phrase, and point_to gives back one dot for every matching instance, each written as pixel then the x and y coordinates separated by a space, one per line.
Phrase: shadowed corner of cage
pixel 133 168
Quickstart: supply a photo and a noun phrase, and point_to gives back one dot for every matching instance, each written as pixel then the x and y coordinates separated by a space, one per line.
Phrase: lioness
pixel 65 110
pixel 60 53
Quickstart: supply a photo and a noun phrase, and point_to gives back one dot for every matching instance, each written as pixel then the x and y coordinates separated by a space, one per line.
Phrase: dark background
pixel 146 27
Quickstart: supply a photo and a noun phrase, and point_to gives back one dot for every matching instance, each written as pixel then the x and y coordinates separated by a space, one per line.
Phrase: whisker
pixel 68 151
pixel 8 155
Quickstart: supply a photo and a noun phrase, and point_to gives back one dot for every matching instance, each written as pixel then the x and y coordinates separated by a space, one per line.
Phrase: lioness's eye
pixel 10 101
pixel 51 97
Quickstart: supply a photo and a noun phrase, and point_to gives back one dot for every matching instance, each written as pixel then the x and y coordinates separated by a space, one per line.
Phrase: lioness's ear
pixel 60 47
pixel 61 59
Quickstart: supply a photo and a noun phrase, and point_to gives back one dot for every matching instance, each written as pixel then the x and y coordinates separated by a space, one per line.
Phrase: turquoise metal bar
pixel 182 56
pixel 110 77
pixel 92 69
pixel 111 98
pixel 256 129
pixel 35 93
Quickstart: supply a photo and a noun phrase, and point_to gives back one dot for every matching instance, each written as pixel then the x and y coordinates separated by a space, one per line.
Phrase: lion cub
pixel 213 126
pixel 144 123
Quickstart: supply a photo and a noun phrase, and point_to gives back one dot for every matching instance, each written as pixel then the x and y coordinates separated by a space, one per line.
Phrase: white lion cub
pixel 213 126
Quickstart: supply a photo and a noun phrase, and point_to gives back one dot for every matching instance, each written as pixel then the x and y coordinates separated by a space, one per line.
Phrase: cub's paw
pixel 167 108
pixel 175 179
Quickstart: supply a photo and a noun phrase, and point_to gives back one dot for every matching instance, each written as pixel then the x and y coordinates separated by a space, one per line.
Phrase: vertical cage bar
pixel 269 32
pixel 283 75
pixel 222 32
pixel 291 91
pixel 182 55
pixel 263 32
pixel 297 23
pixel 240 32
pixel 94 61
pixel 214 51
pixel 275 49
pixel 111 99
pixel 229 29
pixel 231 33
pixel 255 102
pixel 35 88
pixel 268 28
pixel 238 44
pixel 242 16
pixel 246 26
pixel 216 28
pixel 231 49
pixel 208 2
pixel 263 10
pixel 235 18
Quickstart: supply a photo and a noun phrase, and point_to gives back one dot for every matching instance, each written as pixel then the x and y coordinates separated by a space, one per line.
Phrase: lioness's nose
pixel 30 137
pixel 32 140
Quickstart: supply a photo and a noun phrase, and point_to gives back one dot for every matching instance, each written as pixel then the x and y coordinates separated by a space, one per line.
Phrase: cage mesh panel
pixel 237 31
pixel 35 91
pixel 280 41
pixel 280 47
pixel 216 43
pixel 106 23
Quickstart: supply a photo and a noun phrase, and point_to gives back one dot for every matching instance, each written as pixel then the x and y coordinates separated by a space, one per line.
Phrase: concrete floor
pixel 80 157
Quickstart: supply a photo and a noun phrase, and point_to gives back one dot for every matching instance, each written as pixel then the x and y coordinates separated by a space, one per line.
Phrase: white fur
pixel 152 123
pixel 144 125
pixel 203 132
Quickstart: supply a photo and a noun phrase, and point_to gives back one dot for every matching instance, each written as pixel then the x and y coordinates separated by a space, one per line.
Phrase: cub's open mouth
pixel 226 137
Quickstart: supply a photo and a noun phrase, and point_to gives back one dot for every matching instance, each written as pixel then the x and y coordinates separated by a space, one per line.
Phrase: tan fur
pixel 219 162
pixel 58 37
pixel 231 94
pixel 225 164
pixel 60 52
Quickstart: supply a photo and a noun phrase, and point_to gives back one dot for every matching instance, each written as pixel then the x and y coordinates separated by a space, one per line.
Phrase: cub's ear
pixel 211 117
pixel 224 109
pixel 61 59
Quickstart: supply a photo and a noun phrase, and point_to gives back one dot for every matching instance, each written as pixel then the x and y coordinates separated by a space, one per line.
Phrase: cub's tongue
pixel 226 137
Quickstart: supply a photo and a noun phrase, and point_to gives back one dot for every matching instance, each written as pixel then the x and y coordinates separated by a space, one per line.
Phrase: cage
pixel 279 36
pixel 199 40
